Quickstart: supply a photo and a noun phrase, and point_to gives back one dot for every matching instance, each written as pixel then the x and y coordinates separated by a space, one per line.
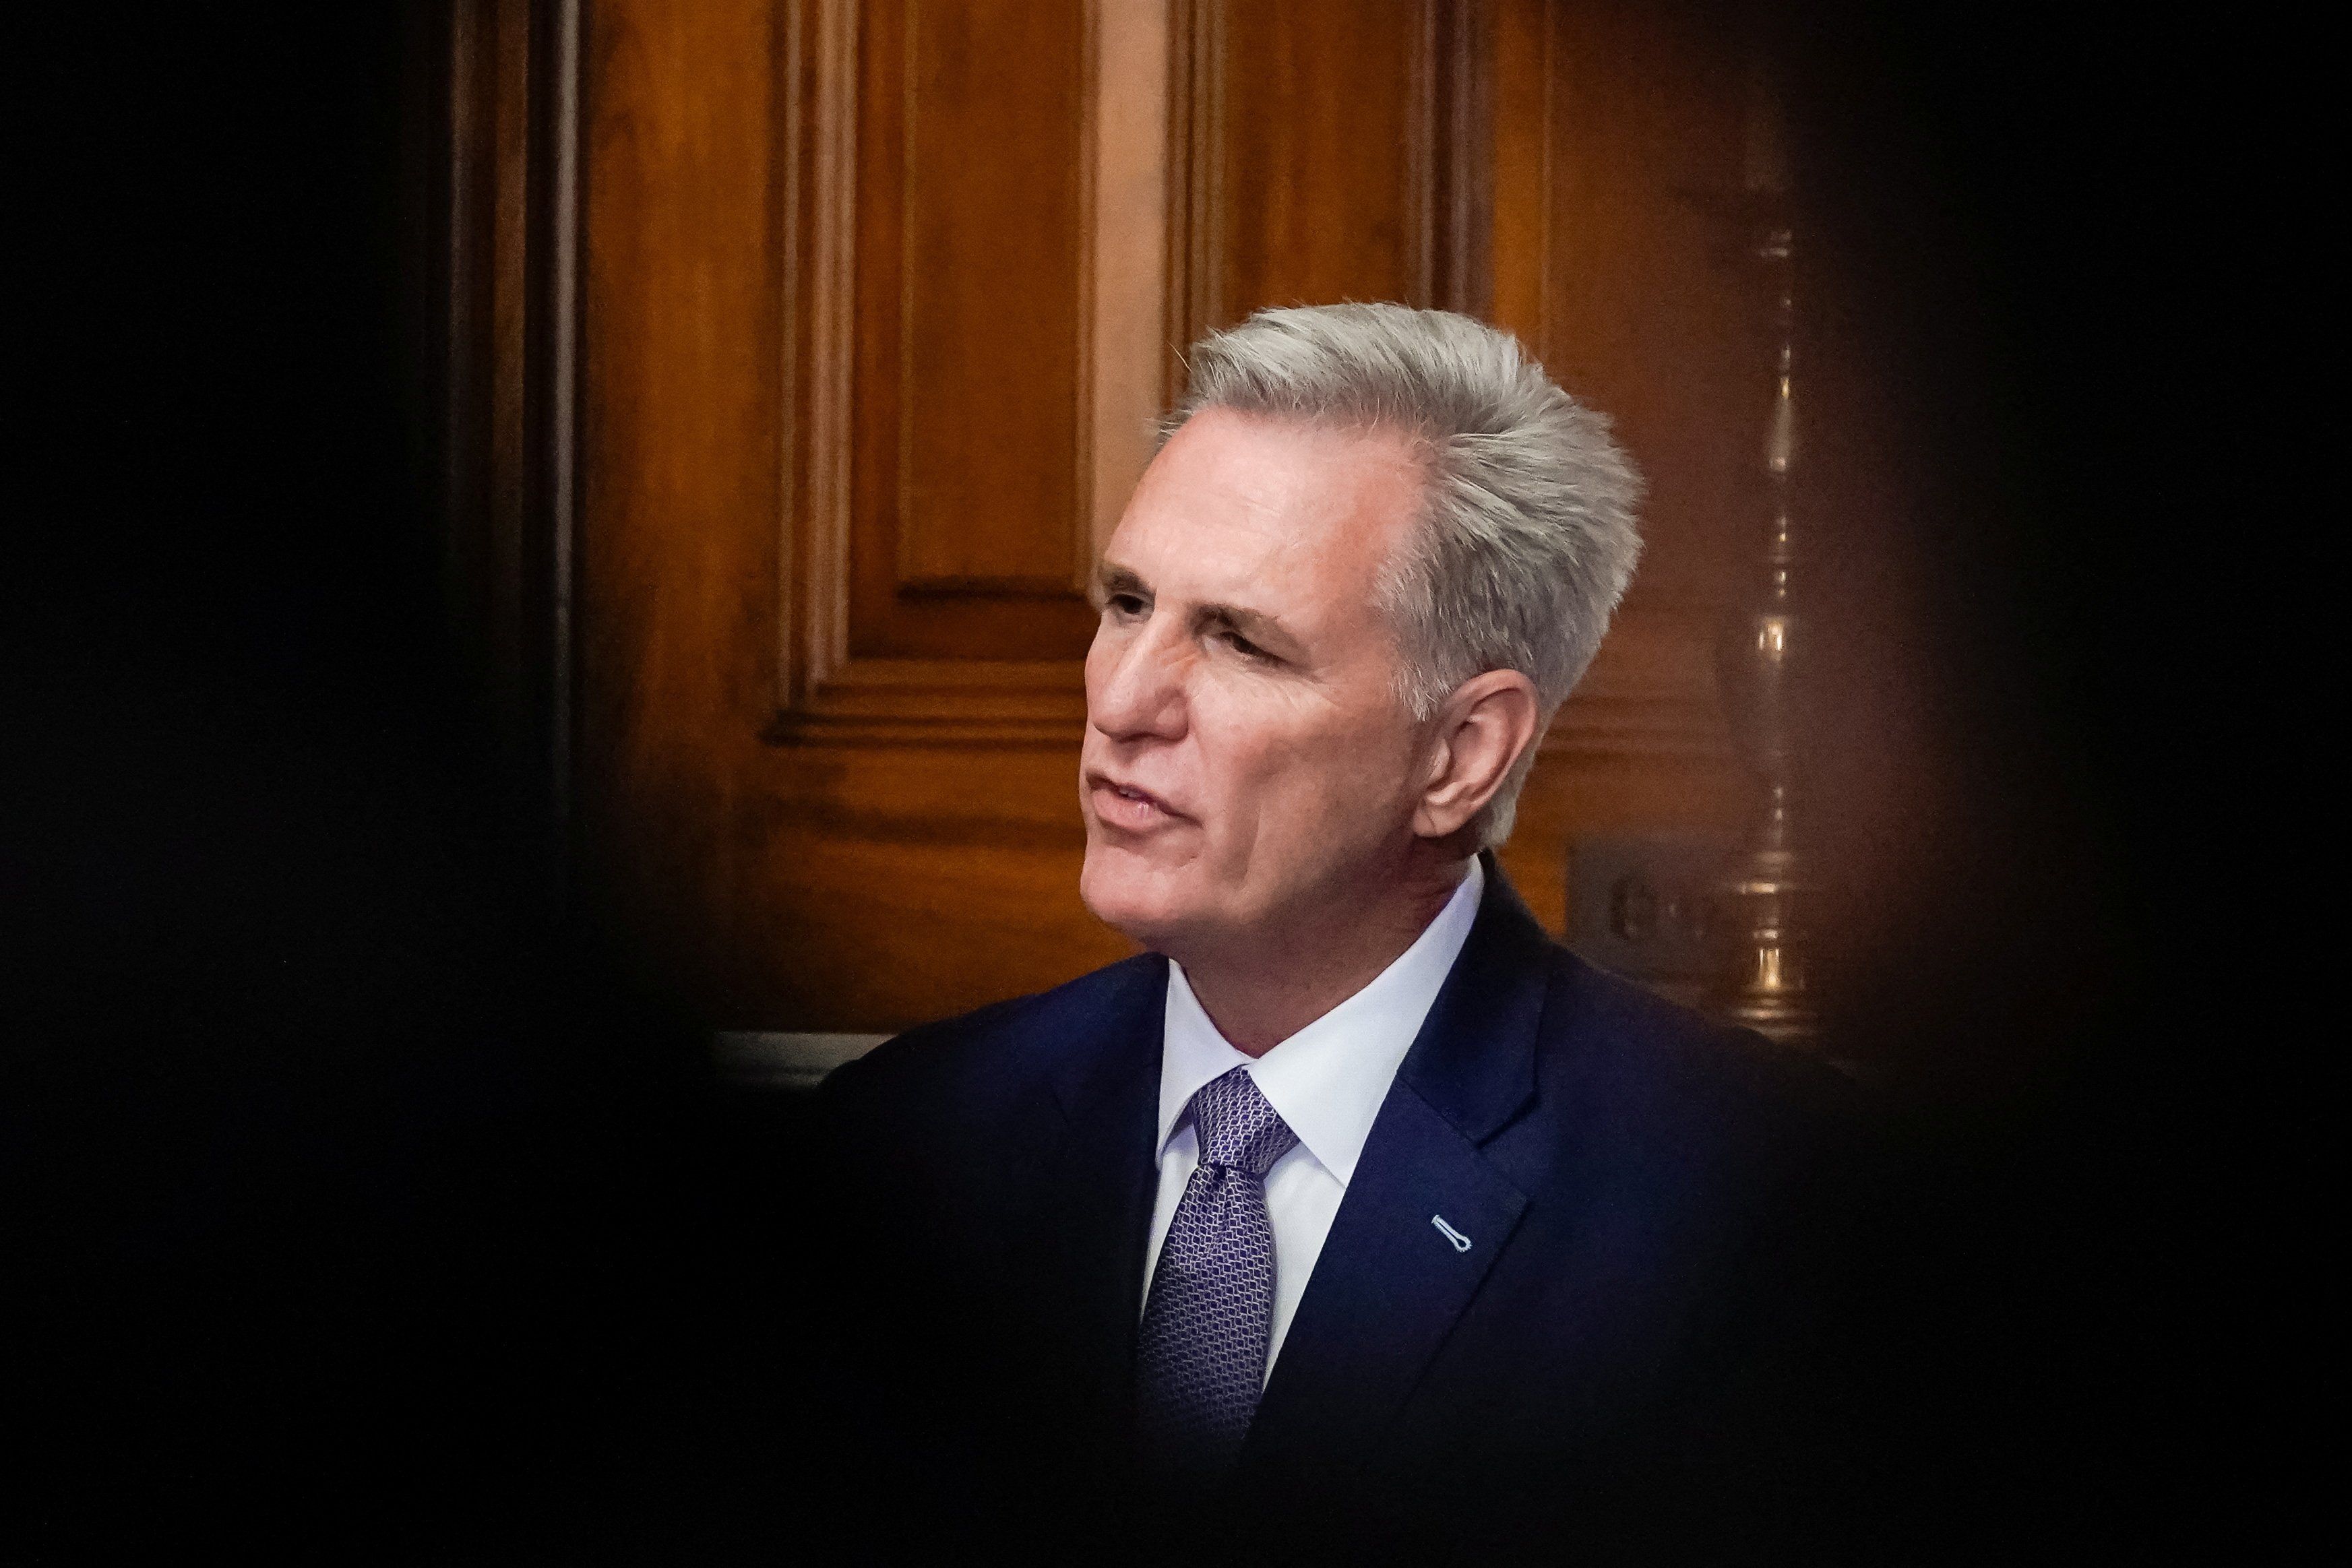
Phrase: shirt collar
pixel 1326 1081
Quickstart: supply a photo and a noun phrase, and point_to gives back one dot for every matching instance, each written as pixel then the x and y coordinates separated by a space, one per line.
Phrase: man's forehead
pixel 1282 571
pixel 1242 499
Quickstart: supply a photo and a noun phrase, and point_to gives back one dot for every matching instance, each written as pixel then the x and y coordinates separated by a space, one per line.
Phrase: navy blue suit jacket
pixel 1624 1352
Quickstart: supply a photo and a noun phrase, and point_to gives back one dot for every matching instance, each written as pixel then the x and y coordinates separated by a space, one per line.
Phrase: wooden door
pixel 877 304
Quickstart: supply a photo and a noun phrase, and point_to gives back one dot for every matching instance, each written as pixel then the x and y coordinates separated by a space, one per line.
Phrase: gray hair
pixel 1528 536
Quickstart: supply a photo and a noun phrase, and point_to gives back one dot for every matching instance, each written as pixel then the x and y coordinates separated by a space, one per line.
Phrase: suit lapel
pixel 1391 1282
pixel 1103 1177
pixel 1386 1291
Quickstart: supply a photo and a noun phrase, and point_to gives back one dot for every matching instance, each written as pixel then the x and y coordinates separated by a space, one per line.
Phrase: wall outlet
pixel 1643 906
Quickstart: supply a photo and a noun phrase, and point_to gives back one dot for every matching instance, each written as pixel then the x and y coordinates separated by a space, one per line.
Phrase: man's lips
pixel 1122 805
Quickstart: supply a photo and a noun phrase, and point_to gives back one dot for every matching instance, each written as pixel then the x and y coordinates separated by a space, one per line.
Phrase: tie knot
pixel 1239 1127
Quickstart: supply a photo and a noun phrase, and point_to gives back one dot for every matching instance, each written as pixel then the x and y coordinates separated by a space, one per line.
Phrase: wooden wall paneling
pixel 1616 124
pixel 1196 112
pixel 1314 147
pixel 506 364
pixel 983 272
pixel 681 476
pixel 1645 310
pixel 858 404
pixel 909 840
pixel 1129 277
pixel 1518 207
pixel 1463 162
pixel 888 885
pixel 970 128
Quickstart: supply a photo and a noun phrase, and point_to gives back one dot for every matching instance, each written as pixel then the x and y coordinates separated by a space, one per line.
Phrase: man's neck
pixel 1260 992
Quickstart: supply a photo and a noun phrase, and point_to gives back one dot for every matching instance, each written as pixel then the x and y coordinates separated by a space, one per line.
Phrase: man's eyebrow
pixel 1255 624
pixel 1111 579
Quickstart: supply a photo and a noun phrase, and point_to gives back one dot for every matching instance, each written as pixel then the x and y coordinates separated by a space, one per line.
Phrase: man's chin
pixel 1144 903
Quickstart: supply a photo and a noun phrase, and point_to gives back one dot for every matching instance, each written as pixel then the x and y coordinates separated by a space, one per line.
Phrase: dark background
pixel 350 1199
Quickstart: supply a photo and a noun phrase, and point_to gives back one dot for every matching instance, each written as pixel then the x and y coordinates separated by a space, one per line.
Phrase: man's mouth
pixel 1124 806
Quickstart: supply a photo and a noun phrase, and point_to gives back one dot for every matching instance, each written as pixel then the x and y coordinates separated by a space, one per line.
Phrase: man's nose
pixel 1135 687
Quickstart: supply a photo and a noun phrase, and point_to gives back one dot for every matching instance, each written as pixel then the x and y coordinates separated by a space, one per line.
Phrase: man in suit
pixel 1354 1215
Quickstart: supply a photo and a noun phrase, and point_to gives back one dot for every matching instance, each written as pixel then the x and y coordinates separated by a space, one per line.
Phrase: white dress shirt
pixel 1327 1081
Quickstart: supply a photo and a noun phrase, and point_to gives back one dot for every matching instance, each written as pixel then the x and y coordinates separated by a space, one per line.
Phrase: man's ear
pixel 1482 731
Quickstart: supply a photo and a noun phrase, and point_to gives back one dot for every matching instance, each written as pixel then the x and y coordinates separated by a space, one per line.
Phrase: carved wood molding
pixel 1650 692
pixel 827 690
pixel 509 363
pixel 1154 140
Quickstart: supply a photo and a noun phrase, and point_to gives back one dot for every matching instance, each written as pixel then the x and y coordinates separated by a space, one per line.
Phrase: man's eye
pixel 1124 604
pixel 1247 648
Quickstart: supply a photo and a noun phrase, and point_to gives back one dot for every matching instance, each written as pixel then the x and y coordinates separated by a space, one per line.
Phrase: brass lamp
pixel 1763 895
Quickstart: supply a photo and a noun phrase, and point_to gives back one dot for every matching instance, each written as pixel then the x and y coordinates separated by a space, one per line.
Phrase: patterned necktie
pixel 1200 1360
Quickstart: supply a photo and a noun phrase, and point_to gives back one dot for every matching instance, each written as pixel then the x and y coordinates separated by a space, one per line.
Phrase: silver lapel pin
pixel 1461 1242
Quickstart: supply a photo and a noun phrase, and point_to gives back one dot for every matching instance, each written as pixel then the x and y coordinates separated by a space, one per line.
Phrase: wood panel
pixel 1646 309
pixel 976 265
pixel 966 425
pixel 681 446
pixel 1617 136
pixel 505 366
pixel 880 303
pixel 1312 155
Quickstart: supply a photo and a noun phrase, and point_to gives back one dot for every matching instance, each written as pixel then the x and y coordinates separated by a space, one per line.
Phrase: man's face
pixel 1248 762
